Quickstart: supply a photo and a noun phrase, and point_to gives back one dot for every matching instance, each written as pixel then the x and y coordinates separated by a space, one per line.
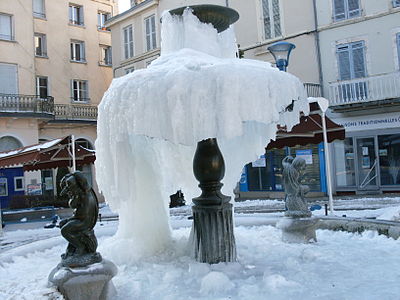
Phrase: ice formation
pixel 151 120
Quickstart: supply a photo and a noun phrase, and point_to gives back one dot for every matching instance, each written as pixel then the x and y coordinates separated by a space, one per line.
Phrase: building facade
pixel 360 46
pixel 55 65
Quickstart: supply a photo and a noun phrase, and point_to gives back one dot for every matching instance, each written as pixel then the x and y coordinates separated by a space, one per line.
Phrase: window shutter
pixel 354 8
pixel 38 7
pixel 81 17
pixel 126 42
pixel 267 19
pixel 5 27
pixel 148 34
pixel 82 45
pixel 359 60
pixel 153 31
pixel 343 55
pixel 130 41
pixel 339 10
pixel 71 83
pixel 70 12
pixel 396 3
pixel 277 18
pixel 8 79
pixel 398 48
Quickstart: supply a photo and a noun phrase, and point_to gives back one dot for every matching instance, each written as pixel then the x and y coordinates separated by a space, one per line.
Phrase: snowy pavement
pixel 339 266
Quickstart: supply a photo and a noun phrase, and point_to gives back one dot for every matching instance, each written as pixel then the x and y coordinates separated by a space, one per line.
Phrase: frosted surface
pixel 151 120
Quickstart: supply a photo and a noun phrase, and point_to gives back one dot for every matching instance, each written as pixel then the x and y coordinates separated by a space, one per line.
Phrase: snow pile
pixel 151 120
pixel 340 266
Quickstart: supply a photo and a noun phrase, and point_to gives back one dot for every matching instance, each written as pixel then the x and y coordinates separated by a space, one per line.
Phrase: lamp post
pixel 281 52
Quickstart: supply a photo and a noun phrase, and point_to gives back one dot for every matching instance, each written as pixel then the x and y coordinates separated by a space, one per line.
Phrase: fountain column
pixel 212 236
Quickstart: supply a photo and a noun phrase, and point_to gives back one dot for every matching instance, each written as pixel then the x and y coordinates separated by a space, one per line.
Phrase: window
pixel 351 60
pixel 8 143
pixel 150 24
pixel 8 79
pixel 345 163
pixel 80 90
pixel 129 70
pixel 351 63
pixel 78 51
pixel 105 55
pixel 19 183
pixel 38 9
pixel 396 3
pixel 40 45
pixel 102 17
pixel 6 30
pixel 272 19
pixel 128 41
pixel 346 9
pixel 3 187
pixel 75 14
pixel 42 87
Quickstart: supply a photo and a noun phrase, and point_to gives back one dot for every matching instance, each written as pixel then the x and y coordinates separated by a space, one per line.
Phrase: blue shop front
pixel 263 177
pixel 11 184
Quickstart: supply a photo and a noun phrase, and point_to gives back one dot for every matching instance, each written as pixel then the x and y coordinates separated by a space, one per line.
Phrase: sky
pixel 123 5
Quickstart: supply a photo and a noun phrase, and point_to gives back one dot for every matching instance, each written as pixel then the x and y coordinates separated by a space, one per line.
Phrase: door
pixel 367 164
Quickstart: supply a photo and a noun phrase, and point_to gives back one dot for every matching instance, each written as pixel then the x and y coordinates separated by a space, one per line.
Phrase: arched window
pixel 9 143
pixel 84 143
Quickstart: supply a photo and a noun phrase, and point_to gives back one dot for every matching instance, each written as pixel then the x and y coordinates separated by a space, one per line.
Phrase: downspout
pixel 318 48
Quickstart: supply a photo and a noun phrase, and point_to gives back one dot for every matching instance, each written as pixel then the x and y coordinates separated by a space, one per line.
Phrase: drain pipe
pixel 318 47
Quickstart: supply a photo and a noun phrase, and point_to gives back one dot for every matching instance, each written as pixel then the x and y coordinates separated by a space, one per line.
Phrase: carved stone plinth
pixel 92 282
pixel 212 234
pixel 298 230
pixel 212 237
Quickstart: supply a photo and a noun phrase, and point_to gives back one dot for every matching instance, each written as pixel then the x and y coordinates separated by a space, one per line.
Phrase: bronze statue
pixel 78 230
pixel 293 170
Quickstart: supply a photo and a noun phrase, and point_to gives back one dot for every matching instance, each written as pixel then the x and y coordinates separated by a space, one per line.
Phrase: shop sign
pixel 306 155
pixel 34 189
pixel 371 122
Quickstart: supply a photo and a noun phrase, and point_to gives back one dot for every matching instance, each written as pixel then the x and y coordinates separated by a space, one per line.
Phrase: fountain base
pixel 212 234
pixel 298 230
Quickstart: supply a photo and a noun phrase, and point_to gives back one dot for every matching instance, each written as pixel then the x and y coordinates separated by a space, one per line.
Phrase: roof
pixel 48 155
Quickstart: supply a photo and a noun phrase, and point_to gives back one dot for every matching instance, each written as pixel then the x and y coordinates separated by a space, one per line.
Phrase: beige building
pixel 55 65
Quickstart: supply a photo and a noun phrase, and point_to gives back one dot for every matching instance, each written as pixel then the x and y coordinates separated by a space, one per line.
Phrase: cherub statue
pixel 78 230
pixel 293 169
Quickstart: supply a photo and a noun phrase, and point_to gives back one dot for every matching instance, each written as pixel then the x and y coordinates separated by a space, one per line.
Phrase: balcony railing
pixel 26 104
pixel 75 112
pixel 363 90
pixel 313 89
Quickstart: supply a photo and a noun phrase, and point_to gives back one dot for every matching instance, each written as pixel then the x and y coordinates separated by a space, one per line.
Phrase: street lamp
pixel 281 52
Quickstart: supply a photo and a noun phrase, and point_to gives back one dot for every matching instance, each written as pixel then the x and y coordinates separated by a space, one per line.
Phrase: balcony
pixel 26 106
pixel 75 112
pixel 368 90
pixel 313 89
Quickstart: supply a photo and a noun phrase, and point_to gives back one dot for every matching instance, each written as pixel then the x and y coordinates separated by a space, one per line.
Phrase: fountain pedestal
pixel 212 236
pixel 92 282
pixel 298 230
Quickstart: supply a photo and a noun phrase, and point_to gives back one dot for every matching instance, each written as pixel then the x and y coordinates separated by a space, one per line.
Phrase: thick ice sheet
pixel 150 121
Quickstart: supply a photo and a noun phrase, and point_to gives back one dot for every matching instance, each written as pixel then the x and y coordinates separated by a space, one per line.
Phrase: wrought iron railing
pixel 75 112
pixel 15 103
pixel 313 89
pixel 367 89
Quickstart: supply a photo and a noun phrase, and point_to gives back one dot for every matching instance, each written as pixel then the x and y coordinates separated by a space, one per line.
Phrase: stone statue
pixel 293 170
pixel 78 230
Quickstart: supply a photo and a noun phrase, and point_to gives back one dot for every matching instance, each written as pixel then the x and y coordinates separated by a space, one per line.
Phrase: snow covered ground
pixel 340 266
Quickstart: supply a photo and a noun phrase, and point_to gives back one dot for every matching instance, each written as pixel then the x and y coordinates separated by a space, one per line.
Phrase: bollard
pixel 326 209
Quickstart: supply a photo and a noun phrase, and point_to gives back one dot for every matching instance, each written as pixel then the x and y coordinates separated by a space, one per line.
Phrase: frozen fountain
pixel 151 121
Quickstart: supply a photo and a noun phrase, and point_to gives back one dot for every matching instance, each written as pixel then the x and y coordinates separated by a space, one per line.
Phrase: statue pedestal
pixel 212 234
pixel 298 230
pixel 92 282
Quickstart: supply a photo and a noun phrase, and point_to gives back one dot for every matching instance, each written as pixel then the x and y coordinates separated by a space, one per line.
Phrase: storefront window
pixel 312 174
pixel 344 160
pixel 389 158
